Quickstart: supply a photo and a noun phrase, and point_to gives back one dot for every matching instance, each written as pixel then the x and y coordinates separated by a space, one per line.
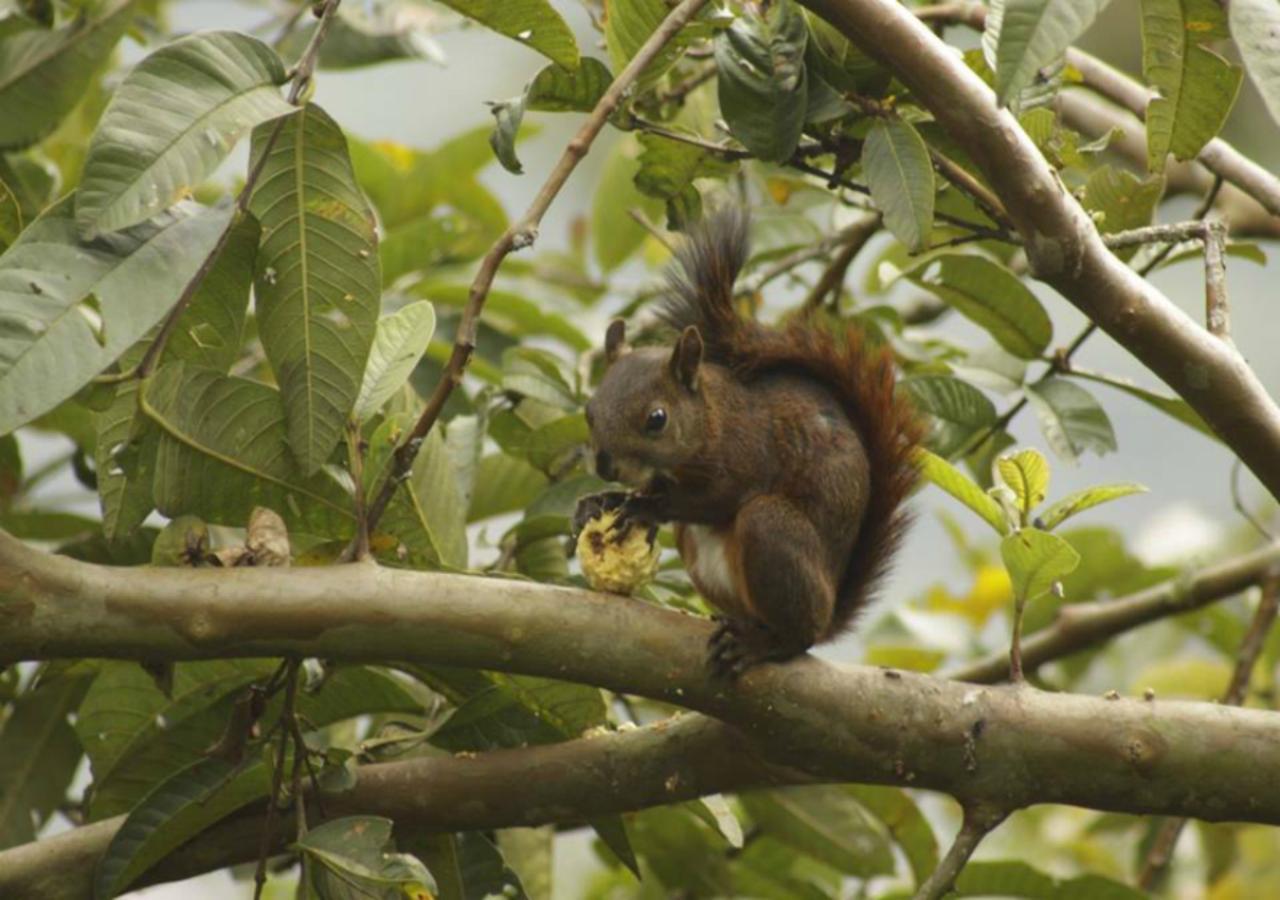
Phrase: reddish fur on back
pixel 831 353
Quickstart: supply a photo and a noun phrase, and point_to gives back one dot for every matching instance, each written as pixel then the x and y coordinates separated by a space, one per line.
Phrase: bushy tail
pixel 836 354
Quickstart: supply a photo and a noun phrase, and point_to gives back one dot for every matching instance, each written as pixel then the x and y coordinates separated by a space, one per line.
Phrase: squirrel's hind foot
pixel 738 644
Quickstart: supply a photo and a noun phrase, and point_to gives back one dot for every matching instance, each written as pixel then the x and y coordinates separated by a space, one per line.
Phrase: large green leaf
pixel 627 25
pixel 125 455
pixel 171 122
pixel 223 451
pixel 956 410
pixel 68 309
pixel 1028 35
pixel 509 313
pixel 1072 420
pixel 1035 560
pixel 1255 27
pixel 946 476
pixel 556 89
pixel 399 343
pixel 318 288
pixel 1087 498
pixel 1018 879
pixel 364 35
pixel 615 234
pixel 824 822
pixel 354 858
pixel 44 74
pixel 514 710
pixel 900 175
pixel 136 737
pixel 898 812
pixel 534 23
pixel 503 484
pixel 1196 86
pixel 175 811
pixel 39 753
pixel 762 80
pixel 990 295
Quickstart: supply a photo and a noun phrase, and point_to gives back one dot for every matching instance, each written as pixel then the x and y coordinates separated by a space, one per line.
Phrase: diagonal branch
pixel 1062 244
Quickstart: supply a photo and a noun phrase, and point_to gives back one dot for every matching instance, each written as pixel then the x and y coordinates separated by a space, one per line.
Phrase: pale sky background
pixel 422 104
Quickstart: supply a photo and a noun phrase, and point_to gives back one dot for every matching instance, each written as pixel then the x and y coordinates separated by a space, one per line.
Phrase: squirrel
pixel 783 456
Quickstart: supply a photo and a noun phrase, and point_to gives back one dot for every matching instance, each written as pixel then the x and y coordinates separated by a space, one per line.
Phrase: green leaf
pixel 557 89
pixel 1123 201
pixel 824 822
pixel 762 80
pixel 507 115
pixel 173 119
pixel 956 409
pixel 840 62
pixel 511 314
pixel 1196 86
pixel 1028 35
pixel 399 343
pixel 359 38
pixel 1174 407
pixel 946 476
pixel 900 175
pixel 467 865
pixel 1035 560
pixel 1026 473
pixel 136 737
pixel 1255 28
pixel 669 168
pixel 902 817
pixel 503 484
pixel 537 374
pixel 1084 499
pixel 1017 879
pixel 44 74
pixel 534 23
pixel 10 216
pixel 176 810
pixel 318 288
pixel 1071 419
pixel 125 456
pixel 69 309
pixel 39 754
pixel 223 451
pixel 627 25
pixel 990 295
pixel 615 234
pixel 354 857
pixel 514 710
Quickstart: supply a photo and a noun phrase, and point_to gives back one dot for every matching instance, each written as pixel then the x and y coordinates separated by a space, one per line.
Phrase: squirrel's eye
pixel 657 420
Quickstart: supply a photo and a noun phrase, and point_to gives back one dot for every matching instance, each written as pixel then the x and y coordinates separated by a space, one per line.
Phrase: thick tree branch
pixel 1062 245
pixel 1008 747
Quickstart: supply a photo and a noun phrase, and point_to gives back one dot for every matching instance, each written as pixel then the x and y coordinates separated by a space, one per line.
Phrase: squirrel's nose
pixel 604 466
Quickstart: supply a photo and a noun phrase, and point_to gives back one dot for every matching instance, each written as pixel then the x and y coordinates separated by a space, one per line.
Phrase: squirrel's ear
pixel 615 341
pixel 687 357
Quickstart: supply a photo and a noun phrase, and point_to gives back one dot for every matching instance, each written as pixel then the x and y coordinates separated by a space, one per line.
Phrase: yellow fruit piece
pixel 620 561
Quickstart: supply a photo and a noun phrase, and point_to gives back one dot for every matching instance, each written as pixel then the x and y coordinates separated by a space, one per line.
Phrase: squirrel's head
pixel 648 416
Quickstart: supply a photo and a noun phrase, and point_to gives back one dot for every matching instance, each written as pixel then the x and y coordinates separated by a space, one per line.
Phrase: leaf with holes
pixel 762 80
pixel 68 309
pixel 1029 35
pixel 900 175
pixel 937 470
pixel 39 754
pixel 223 451
pixel 173 119
pixel 318 289
pixel 956 410
pixel 1255 27
pixel 1071 419
pixel 989 294
pixel 534 23
pixel 44 74
pixel 1026 473
pixel 399 343
pixel 1035 560
pixel 175 811
pixel 1088 498
pixel 1196 87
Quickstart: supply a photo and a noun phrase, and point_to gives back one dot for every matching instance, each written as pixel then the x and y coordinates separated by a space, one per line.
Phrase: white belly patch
pixel 711 561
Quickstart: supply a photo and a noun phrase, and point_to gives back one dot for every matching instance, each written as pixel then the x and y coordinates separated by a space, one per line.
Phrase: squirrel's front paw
pixel 593 506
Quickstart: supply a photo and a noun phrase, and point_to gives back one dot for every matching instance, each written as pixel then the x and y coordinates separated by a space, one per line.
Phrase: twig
pixel 979 821
pixel 519 235
pixel 1193 230
pixel 729 154
pixel 855 238
pixel 988 202
pixel 1217 314
pixel 1166 841
pixel 677 93
pixel 277 775
pixel 301 78
pixel 654 231
pixel 1082 625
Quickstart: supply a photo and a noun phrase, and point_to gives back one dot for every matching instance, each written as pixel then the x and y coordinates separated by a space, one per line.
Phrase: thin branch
pixel 1166 841
pixel 1193 230
pixel 1217 312
pixel 988 202
pixel 832 277
pixel 1083 625
pixel 277 778
pixel 728 154
pixel 302 74
pixel 979 821
pixel 637 215
pixel 519 235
